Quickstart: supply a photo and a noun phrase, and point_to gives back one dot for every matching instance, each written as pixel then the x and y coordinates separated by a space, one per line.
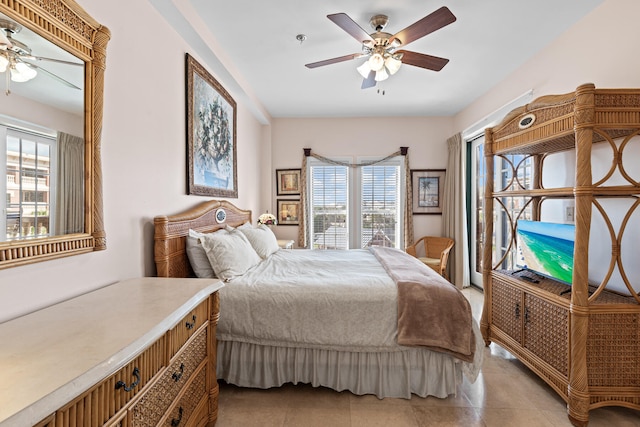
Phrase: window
pixel 329 206
pixel 355 207
pixel 27 163
pixel 380 211
pixel 478 173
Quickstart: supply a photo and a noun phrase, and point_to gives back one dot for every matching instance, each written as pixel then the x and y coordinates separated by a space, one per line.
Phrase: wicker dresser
pixel 141 352
pixel 583 340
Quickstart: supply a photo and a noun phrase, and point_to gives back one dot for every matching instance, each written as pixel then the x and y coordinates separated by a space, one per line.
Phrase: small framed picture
pixel 288 182
pixel 428 187
pixel 289 212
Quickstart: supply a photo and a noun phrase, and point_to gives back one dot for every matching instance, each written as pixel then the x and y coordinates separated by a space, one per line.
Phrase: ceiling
pixel 489 40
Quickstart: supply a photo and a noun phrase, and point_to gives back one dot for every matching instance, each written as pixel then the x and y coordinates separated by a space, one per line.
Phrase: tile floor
pixel 505 394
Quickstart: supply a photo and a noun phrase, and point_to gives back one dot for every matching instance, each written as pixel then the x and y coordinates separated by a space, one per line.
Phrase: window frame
pixel 354 198
pixel 398 162
pixel 8 130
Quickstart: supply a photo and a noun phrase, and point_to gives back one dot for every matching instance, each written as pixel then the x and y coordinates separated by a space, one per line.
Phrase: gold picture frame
pixel 288 182
pixel 211 135
pixel 428 188
pixel 289 212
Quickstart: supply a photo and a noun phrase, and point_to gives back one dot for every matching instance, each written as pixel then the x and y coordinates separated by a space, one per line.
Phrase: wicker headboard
pixel 171 233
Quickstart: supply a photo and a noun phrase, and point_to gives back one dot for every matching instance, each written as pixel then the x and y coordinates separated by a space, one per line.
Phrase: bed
pixel 347 320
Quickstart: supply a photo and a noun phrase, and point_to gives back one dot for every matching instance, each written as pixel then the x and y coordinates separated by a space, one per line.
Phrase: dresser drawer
pixel 188 326
pixel 150 408
pixel 187 411
pixel 103 401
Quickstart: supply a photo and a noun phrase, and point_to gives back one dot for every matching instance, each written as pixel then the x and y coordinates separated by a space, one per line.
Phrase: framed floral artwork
pixel 289 212
pixel 428 187
pixel 211 135
pixel 288 182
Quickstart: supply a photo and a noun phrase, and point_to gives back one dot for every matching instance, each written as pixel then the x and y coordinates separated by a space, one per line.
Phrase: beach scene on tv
pixel 546 248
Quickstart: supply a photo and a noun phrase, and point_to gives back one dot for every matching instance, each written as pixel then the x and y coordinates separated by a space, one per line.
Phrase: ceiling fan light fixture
pixel 21 73
pixel 381 75
pixel 364 69
pixel 376 62
pixel 392 64
pixel 4 62
pixel 394 43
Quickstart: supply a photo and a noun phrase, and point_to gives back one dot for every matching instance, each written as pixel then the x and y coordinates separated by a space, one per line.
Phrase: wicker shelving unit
pixel 584 343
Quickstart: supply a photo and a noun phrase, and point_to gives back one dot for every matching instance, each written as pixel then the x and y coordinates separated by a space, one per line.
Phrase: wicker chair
pixel 436 252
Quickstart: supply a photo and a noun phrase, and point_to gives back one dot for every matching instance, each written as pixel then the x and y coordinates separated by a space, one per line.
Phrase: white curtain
pixel 70 184
pixel 454 213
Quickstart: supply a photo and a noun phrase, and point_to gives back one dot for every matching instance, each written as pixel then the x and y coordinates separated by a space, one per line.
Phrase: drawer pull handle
pixel 176 376
pixel 526 315
pixel 517 310
pixel 192 324
pixel 121 384
pixel 176 422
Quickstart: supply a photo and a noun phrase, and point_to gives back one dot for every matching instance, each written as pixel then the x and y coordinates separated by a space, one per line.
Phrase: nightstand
pixel 285 244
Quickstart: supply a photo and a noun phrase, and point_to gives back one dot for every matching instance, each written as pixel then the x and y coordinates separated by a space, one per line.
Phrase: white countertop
pixel 53 355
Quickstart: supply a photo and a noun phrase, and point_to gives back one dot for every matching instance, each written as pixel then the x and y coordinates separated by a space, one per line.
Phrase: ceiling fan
pixel 17 61
pixel 382 48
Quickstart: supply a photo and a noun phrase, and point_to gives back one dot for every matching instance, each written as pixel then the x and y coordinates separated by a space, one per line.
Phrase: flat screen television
pixel 546 248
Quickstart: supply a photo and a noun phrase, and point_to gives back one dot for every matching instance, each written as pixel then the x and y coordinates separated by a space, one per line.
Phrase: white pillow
pixel 230 253
pixel 262 239
pixel 198 257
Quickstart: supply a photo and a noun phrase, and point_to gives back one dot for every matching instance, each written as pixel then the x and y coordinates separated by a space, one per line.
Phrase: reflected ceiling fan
pixel 382 48
pixel 18 62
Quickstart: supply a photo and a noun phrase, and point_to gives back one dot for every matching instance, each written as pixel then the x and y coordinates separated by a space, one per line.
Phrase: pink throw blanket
pixel 431 311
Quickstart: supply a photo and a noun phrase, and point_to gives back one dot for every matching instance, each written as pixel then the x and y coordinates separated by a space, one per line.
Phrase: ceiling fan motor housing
pixel 379 22
pixel 10 26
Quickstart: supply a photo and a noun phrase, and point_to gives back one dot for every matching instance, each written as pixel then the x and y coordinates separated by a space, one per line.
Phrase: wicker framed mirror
pixel 65 24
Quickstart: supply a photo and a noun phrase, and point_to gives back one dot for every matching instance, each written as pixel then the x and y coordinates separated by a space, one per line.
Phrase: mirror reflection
pixel 41 136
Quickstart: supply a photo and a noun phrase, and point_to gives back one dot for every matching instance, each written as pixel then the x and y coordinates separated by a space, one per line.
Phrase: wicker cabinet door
pixel 546 332
pixel 506 308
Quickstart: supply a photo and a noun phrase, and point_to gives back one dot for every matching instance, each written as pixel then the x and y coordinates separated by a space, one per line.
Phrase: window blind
pixel 379 205
pixel 329 207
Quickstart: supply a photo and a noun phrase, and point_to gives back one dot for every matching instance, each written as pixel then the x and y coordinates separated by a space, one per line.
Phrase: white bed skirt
pixel 384 374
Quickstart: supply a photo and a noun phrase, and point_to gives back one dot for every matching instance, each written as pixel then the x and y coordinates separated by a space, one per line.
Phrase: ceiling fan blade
pixel 335 60
pixel 343 21
pixel 54 76
pixel 59 61
pixel 421 60
pixel 369 81
pixel 427 25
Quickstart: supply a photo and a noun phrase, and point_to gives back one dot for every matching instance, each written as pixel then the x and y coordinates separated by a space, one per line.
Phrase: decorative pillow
pixel 262 239
pixel 229 253
pixel 198 257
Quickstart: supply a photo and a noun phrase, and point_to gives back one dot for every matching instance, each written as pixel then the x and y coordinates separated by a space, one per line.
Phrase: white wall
pixel 144 160
pixel 599 49
pixel 29 111
pixel 339 137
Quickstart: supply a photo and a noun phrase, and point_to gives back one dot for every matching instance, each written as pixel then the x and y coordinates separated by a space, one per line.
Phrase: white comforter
pixel 338 300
